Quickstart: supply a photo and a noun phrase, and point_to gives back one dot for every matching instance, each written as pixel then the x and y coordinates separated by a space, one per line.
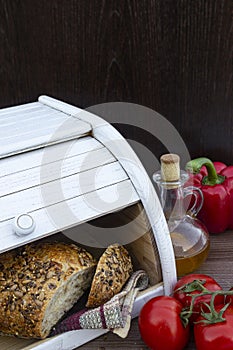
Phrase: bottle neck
pixel 172 197
pixel 172 202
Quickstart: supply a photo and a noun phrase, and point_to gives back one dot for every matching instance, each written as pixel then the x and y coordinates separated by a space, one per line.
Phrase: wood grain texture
pixel 172 56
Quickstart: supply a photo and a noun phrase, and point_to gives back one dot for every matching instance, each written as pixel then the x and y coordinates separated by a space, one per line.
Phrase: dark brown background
pixel 172 56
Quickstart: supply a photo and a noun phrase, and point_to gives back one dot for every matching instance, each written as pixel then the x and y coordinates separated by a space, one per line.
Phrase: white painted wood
pixel 45 173
pixel 34 128
pixel 27 160
pixel 25 129
pixel 35 117
pixel 59 190
pixel 79 113
pixel 70 213
pixel 29 142
pixel 11 111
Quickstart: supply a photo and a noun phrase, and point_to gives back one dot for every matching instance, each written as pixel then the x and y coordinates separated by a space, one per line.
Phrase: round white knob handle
pixel 24 225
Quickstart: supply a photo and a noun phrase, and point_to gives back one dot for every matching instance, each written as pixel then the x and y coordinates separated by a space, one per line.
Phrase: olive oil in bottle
pixel 189 236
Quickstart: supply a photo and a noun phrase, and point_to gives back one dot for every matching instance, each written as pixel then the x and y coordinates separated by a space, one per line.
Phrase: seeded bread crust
pixel 39 283
pixel 113 270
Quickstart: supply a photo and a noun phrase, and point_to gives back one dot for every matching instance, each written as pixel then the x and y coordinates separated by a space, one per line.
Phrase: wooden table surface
pixel 219 265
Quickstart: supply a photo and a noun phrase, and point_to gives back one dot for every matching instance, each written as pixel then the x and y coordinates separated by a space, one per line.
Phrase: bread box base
pixel 73 339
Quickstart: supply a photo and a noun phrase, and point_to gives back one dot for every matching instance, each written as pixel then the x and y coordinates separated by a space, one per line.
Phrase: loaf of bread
pixel 39 283
pixel 113 270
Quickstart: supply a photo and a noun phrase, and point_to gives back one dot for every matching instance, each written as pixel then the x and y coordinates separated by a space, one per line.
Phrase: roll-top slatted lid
pixel 54 173
pixel 35 125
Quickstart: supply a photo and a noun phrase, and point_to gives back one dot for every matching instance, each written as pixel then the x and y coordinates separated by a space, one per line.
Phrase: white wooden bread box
pixel 62 167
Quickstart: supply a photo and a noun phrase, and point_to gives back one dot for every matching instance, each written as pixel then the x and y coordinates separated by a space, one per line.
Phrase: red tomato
pixel 183 295
pixel 160 324
pixel 217 336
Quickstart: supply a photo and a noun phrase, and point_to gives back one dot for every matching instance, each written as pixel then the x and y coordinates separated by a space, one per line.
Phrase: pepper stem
pixel 194 166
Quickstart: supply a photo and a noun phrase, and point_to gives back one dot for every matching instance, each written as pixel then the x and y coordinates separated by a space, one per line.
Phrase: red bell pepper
pixel 216 182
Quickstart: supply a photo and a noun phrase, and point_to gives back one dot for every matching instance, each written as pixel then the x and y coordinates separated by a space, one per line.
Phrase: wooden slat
pixel 71 212
pixel 41 119
pixel 32 140
pixel 49 172
pixel 28 117
pixel 23 128
pixel 10 112
pixel 27 160
pixel 59 190
pixel 38 122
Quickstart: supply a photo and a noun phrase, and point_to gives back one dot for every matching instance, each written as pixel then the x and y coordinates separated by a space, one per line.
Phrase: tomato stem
pixel 195 285
pixel 210 317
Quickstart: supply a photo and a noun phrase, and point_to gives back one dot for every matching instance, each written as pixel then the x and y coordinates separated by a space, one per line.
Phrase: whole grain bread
pixel 113 270
pixel 39 283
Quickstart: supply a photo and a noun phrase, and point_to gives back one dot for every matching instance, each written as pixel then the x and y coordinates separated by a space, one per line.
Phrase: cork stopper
pixel 170 167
